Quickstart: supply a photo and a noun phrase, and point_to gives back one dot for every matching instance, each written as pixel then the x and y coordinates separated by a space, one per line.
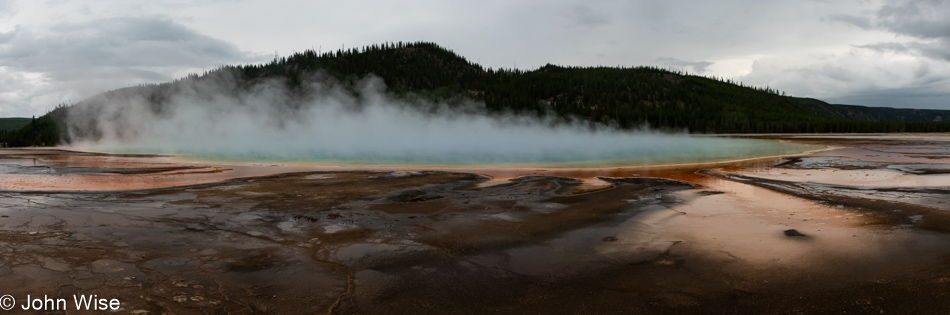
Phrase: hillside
pixel 43 131
pixel 11 124
pixel 624 97
pixel 879 114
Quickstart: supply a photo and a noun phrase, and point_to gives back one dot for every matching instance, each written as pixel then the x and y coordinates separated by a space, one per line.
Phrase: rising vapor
pixel 220 117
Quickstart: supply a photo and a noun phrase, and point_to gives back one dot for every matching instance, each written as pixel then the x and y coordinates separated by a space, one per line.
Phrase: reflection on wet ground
pixel 832 231
pixel 876 176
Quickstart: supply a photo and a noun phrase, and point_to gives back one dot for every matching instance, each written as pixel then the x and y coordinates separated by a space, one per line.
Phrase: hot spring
pixel 567 150
pixel 365 126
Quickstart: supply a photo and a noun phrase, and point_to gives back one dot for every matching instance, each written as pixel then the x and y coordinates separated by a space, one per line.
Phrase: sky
pixel 863 52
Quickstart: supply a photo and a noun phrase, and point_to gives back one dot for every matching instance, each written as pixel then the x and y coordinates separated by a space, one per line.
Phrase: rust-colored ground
pixel 170 236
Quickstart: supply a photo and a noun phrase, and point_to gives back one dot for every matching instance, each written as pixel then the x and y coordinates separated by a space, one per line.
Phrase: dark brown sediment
pixel 302 239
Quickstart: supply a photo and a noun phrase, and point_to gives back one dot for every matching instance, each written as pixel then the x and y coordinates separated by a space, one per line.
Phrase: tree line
pixel 625 97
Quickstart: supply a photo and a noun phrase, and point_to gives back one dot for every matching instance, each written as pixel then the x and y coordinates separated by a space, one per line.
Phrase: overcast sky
pixel 878 53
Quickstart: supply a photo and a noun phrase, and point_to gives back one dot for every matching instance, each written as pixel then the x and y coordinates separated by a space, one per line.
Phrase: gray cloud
pixel 862 22
pixel 7 8
pixel 694 66
pixel 928 89
pixel 6 37
pixel 796 46
pixel 121 43
pixel 910 97
pixel 920 18
pixel 77 60
pixel 16 103
pixel 938 50
pixel 904 82
pixel 926 21
pixel 922 71
pixel 910 69
pixel 891 47
pixel 584 16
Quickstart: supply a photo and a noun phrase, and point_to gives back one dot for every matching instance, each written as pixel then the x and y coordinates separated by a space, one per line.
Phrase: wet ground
pixel 861 228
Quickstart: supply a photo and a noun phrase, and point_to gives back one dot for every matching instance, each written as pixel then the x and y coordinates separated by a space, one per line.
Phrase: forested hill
pixel 13 123
pixel 625 97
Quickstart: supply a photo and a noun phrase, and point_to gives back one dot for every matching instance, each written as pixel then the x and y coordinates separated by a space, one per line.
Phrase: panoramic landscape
pixel 167 166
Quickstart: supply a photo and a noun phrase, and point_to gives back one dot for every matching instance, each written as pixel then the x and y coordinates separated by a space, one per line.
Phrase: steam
pixel 326 120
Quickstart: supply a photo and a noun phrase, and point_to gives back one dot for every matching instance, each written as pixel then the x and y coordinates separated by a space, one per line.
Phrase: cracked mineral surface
pixel 166 236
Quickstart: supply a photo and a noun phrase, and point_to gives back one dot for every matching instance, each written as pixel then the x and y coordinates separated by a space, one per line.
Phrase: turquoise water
pixel 636 150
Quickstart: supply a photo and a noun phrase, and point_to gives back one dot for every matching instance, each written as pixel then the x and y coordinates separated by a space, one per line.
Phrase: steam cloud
pixel 222 118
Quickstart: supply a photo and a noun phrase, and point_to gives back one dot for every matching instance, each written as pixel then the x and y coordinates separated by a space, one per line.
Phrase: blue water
pixel 637 150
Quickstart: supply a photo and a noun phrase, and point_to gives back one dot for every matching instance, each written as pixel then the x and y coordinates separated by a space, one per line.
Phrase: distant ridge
pixel 13 123
pixel 619 96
